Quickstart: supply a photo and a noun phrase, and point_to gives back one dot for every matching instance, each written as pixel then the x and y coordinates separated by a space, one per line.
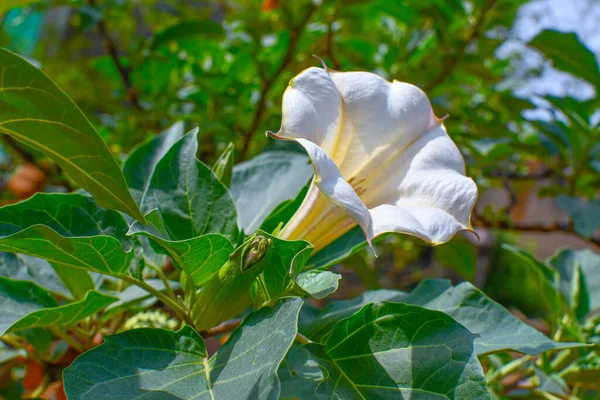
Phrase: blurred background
pixel 519 80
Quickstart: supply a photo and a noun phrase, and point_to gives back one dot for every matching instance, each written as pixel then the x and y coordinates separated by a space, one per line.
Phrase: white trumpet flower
pixel 382 160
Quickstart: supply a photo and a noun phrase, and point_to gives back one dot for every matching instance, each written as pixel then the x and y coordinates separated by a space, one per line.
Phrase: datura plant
pixel 381 157
pixel 97 279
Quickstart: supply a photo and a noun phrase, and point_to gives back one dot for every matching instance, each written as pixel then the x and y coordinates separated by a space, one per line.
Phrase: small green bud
pixel 256 251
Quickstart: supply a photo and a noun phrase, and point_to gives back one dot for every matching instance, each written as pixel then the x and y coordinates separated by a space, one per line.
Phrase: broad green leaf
pixel 259 185
pixel 342 248
pixel 134 297
pixel 518 279
pixel 161 364
pixel 566 262
pixel 284 273
pixel 189 199
pixel 68 230
pixel 78 281
pixel 223 167
pixel 38 113
pixel 25 268
pixel 193 29
pixel 20 298
pixel 299 375
pixel 140 164
pixel 395 350
pixel 497 328
pixel 568 54
pixel 66 315
pixel 459 255
pixel 584 213
pixel 199 257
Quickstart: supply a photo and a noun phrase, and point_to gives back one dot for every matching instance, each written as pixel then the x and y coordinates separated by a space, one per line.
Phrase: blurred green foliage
pixel 136 67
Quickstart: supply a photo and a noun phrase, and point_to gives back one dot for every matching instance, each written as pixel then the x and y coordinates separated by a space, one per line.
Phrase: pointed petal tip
pixel 322 62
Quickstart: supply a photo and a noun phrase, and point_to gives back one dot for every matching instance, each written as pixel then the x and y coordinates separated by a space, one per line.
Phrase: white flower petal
pixel 330 182
pixel 374 145
pixel 377 115
pixel 433 225
pixel 312 108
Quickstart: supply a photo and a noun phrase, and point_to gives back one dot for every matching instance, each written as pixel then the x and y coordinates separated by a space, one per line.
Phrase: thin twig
pixel 483 222
pixel 67 338
pixel 453 60
pixel 268 83
pixel 124 72
pixel 225 327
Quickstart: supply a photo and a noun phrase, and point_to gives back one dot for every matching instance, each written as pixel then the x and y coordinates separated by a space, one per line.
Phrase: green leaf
pixel 140 165
pixel 259 185
pixel 199 257
pixel 38 113
pixel 285 275
pixel 567 262
pixel 518 279
pixel 497 328
pixel 25 268
pixel 568 54
pixel 299 375
pixel 189 198
pixel 394 350
pixel 223 167
pixel 584 213
pixel 187 30
pixel 161 364
pixel 18 299
pixel 459 255
pixel 78 281
pixel 68 230
pixel 348 244
pixel 66 315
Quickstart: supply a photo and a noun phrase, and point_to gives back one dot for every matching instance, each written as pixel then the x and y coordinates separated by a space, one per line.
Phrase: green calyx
pixel 228 293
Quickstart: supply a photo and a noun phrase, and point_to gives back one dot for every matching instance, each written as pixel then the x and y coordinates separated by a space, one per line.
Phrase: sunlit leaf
pixel 497 328
pixel 395 350
pixel 65 315
pixel 156 363
pixel 68 230
pixel 36 112
pixel 189 198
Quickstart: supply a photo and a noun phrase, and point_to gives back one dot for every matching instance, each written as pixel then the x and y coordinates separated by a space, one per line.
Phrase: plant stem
pixel 172 304
pixel 225 327
pixel 67 338
pixel 295 34
pixel 165 280
pixel 509 368
pixel 85 336
pixel 300 338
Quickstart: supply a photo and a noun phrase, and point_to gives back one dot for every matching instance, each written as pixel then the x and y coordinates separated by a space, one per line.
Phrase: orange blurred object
pixel 34 376
pixel 269 5
pixel 27 180
pixel 54 391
